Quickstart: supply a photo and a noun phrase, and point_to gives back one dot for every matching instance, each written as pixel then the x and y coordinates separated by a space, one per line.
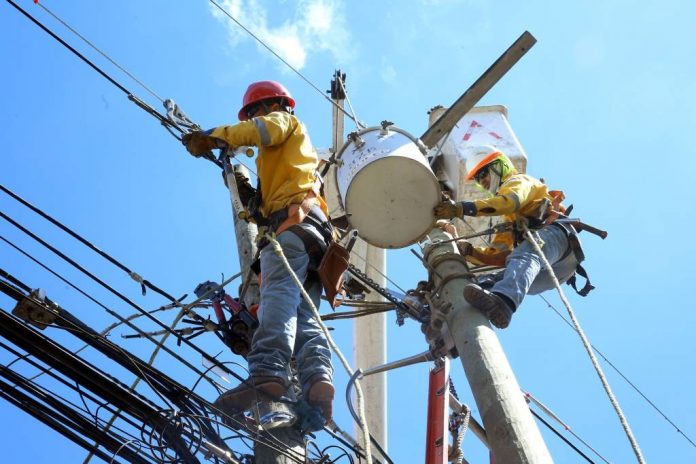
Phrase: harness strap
pixel 588 285
pixel 314 246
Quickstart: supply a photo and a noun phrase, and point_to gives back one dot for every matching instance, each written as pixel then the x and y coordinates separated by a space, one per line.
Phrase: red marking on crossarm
pixel 495 135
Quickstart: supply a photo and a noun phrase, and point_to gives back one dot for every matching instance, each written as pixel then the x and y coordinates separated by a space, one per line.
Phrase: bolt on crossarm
pixel 512 434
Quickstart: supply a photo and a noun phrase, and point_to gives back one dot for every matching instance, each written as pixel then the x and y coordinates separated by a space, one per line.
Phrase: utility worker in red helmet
pixel 515 196
pixel 287 200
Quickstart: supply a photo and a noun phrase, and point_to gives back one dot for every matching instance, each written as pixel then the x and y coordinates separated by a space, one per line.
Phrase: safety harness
pixel 552 213
pixel 328 259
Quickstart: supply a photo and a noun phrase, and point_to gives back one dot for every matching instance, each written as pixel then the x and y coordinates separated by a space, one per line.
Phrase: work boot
pixel 493 305
pixel 320 394
pixel 255 388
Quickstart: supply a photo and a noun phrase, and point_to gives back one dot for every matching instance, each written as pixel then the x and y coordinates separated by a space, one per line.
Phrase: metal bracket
pixel 178 118
pixel 35 310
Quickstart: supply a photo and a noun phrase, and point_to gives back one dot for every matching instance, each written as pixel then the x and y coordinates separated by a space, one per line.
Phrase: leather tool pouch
pixel 331 269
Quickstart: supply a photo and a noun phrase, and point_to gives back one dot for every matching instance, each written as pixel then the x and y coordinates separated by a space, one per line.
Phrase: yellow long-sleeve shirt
pixel 286 161
pixel 519 196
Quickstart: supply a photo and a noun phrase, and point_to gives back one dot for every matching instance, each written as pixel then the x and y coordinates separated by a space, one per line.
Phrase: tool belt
pixel 328 259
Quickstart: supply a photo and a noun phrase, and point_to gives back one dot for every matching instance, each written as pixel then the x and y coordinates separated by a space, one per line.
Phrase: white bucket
pixel 387 187
pixel 483 125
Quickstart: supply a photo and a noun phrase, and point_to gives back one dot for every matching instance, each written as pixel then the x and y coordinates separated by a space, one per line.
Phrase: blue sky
pixel 603 105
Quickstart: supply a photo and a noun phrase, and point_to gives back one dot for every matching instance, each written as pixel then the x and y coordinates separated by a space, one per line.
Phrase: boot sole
pixel 233 402
pixel 489 305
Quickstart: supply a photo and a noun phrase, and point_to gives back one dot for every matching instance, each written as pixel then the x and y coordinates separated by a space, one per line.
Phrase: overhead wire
pixel 169 125
pixel 135 276
pixel 608 361
pixel 142 374
pixel 66 401
pixel 295 70
pixel 530 398
pixel 122 320
pixel 534 239
pixel 65 280
pixel 104 284
pixel 623 376
pixel 559 435
pixel 102 53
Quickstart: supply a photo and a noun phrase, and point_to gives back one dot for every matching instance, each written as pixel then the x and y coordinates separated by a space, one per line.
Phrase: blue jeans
pixel 525 271
pixel 286 322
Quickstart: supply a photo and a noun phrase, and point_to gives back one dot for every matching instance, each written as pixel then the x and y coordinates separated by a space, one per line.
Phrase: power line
pixel 115 292
pixel 606 359
pixel 143 282
pixel 295 70
pixel 150 110
pixel 623 376
pixel 205 355
pixel 121 319
pixel 559 435
pixel 148 89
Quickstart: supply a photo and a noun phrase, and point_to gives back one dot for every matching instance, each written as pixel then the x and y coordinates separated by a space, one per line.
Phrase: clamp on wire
pixel 178 118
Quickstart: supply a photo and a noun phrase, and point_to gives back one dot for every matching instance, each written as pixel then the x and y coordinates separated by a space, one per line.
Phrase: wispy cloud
pixel 387 72
pixel 589 52
pixel 314 26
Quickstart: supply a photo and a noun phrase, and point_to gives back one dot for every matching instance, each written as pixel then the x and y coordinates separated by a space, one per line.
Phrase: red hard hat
pixel 263 90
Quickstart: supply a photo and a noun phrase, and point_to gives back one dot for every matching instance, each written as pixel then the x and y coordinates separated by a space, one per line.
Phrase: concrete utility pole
pixel 370 343
pixel 369 332
pixel 288 437
pixel 512 434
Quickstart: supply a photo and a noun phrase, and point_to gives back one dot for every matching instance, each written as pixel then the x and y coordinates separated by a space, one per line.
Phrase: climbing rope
pixel 460 424
pixel 604 357
pixel 534 239
pixel 358 390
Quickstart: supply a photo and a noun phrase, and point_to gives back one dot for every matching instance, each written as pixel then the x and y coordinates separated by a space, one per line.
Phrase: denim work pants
pixel 525 271
pixel 286 322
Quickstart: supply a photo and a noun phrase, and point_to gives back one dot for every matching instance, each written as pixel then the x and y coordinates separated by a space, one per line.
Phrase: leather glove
pixel 199 143
pixel 465 248
pixel 448 209
pixel 246 191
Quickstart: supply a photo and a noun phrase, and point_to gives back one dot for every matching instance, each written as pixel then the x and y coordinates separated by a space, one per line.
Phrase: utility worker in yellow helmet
pixel 286 200
pixel 514 196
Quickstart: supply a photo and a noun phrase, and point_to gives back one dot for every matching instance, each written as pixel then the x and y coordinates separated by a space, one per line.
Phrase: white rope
pixel 532 238
pixel 456 454
pixel 358 390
